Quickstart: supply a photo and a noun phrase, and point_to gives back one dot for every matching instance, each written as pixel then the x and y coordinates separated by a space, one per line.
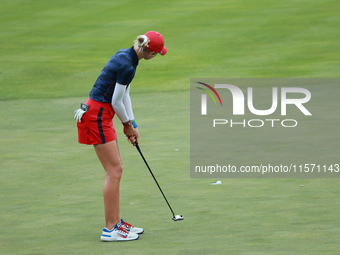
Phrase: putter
pixel 174 217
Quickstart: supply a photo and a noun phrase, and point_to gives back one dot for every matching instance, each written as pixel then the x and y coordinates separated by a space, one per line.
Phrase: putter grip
pixel 137 146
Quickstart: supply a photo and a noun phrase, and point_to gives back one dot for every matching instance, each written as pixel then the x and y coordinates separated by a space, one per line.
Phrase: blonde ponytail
pixel 142 42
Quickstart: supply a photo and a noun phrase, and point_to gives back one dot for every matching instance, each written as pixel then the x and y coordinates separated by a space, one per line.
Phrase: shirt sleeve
pixel 125 75
pixel 117 102
pixel 127 104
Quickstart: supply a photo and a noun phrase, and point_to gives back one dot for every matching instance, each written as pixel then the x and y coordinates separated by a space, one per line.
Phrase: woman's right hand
pixel 130 133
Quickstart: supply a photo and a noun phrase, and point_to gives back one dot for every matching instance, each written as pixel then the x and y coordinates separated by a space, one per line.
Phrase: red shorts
pixel 96 125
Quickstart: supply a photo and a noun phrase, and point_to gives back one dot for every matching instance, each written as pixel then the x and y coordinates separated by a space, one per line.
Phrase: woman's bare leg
pixel 109 156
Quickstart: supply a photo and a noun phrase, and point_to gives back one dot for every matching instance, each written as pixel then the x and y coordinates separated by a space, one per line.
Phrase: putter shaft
pixel 146 163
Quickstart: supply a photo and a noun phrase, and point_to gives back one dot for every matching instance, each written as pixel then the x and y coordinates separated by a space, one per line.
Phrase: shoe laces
pixel 122 230
pixel 128 226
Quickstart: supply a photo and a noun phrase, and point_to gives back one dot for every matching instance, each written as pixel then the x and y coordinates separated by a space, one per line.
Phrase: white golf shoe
pixel 129 228
pixel 117 234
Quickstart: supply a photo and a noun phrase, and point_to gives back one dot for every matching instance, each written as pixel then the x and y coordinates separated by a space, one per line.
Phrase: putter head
pixel 177 217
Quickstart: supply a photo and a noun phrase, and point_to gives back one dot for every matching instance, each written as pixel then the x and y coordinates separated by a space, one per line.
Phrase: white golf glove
pixel 78 114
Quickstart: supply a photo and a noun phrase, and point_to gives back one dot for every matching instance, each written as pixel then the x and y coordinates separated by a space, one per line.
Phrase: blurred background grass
pixel 57 49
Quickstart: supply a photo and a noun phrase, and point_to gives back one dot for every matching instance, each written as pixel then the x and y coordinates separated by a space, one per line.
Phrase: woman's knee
pixel 114 172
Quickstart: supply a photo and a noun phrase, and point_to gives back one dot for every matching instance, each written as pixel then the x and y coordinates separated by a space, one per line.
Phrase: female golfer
pixel 109 96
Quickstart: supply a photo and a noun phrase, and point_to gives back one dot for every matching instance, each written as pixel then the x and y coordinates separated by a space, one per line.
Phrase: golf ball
pixel 216 183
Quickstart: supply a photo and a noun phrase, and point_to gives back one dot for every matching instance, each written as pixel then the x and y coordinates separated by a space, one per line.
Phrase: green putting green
pixel 51 187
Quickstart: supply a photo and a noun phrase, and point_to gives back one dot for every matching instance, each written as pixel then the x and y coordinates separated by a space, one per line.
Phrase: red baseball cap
pixel 156 43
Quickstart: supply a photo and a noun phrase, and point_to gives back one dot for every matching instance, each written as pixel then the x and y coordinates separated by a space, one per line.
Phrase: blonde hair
pixel 142 42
